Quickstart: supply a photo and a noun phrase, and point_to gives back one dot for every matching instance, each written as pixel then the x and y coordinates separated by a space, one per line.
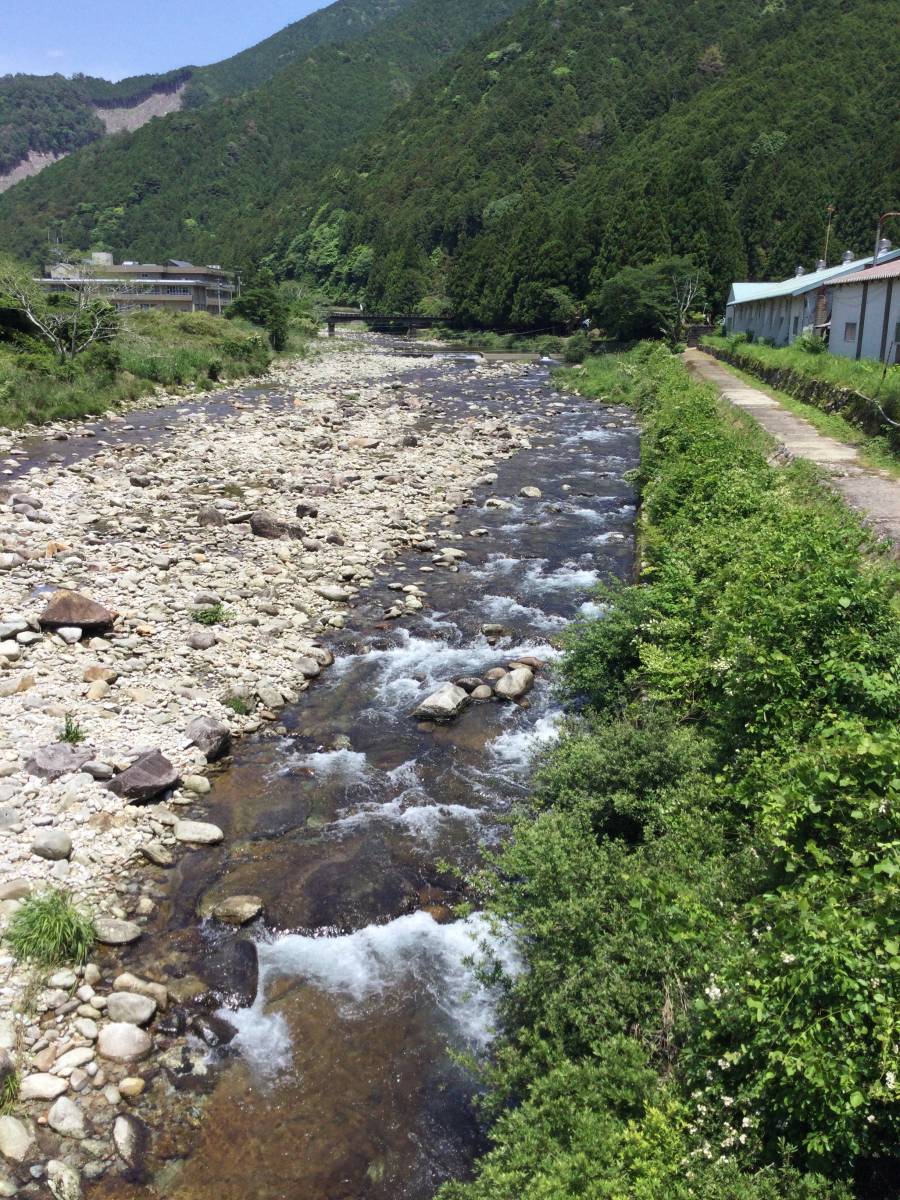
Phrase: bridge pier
pixel 331 329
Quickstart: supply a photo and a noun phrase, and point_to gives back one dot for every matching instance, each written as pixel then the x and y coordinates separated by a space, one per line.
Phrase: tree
pixel 68 321
pixel 645 301
pixel 262 304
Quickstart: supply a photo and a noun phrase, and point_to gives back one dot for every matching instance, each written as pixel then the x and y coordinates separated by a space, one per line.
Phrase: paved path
pixel 874 494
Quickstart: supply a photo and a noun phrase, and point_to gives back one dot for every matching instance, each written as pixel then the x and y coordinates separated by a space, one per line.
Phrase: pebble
pixel 130 1007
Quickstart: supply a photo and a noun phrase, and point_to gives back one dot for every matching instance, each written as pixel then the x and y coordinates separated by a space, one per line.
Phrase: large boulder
pixel 444 704
pixel 232 971
pixel 58 759
pixel 515 684
pixel 67 609
pixel 211 736
pixel 149 776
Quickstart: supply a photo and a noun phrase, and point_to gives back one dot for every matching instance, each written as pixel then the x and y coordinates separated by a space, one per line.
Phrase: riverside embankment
pixel 366 507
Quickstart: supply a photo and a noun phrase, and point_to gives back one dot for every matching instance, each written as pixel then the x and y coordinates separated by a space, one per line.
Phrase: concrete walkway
pixel 873 494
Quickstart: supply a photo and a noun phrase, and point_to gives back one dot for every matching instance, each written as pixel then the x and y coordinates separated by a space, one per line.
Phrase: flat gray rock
pixel 52 844
pixel 113 932
pixel 66 1118
pixel 131 1008
pixel 198 833
pixel 237 910
pixel 444 704
pixel 58 759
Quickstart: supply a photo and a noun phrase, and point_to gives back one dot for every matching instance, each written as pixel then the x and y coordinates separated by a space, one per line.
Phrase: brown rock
pixel 106 674
pixel 149 776
pixel 72 609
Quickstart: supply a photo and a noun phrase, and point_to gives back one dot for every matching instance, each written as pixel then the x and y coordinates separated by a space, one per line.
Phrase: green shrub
pixel 50 930
pixel 72 731
pixel 217 614
pixel 705 883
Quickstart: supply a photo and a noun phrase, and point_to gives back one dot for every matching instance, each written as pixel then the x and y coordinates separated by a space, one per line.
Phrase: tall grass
pixel 50 930
pixel 153 349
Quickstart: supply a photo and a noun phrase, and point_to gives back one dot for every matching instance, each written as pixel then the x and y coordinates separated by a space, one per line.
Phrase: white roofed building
pixel 780 311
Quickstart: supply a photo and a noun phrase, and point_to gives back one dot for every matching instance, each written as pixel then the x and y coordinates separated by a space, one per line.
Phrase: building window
pixel 796 324
pixel 850 331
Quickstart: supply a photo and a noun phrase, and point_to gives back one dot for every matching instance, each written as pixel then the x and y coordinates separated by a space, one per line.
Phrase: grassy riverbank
pixel 705 881
pixel 153 349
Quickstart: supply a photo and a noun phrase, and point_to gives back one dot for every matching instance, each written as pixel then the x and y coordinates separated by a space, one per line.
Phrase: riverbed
pixel 338 1074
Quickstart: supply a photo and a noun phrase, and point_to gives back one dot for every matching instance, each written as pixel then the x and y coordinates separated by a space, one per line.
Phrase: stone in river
pixel 123 1042
pixel 67 608
pixel 198 833
pixel 238 910
pixel 530 493
pixel 232 970
pixel 60 758
pixel 66 1118
pixel 468 683
pixel 149 776
pixel 131 1138
pixel 309 668
pixel 211 736
pixel 515 684
pixel 42 1086
pixel 158 854
pixel 130 1007
pixel 113 932
pixel 16 1139
pixel 213 1029
pixel 482 692
pixel 52 844
pixel 63 1180
pixel 444 704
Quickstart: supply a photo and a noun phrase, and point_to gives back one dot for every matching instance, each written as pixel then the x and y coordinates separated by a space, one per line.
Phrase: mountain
pixel 200 183
pixel 45 117
pixel 584 135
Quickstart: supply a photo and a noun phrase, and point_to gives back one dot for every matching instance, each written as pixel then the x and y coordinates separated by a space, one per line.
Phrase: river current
pixel 355 823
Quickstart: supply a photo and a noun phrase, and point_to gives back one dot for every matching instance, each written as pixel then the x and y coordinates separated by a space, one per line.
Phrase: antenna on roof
pixel 831 210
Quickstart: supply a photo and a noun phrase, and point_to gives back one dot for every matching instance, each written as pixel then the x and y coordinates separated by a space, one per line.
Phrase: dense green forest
pixel 705 882
pixel 55 115
pixel 507 184
pixel 201 184
pixel 586 135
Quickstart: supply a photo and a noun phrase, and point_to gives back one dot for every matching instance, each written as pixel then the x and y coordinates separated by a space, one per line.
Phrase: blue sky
pixel 115 38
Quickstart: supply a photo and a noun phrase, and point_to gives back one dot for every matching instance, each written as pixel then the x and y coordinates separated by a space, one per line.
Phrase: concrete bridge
pixel 408 321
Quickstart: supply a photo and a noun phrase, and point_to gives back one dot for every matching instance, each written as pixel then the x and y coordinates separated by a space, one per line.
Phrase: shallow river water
pixel 341 1083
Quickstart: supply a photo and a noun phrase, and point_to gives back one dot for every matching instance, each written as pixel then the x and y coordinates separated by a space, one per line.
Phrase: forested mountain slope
pixel 201 184
pixel 586 134
pixel 49 114
pixel 53 115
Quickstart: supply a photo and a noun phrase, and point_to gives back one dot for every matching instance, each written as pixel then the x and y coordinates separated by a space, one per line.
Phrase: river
pixel 352 824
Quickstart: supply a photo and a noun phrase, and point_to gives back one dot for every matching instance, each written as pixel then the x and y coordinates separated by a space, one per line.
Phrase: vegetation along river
pixel 342 1081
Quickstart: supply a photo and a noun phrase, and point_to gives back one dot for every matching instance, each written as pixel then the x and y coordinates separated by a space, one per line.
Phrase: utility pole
pixel 831 210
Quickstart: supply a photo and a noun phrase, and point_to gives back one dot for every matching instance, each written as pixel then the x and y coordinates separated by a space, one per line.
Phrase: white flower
pixel 713 992
pixel 788 958
pixel 889 1080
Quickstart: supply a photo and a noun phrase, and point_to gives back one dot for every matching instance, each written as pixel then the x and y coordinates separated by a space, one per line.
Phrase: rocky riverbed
pixel 159 597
